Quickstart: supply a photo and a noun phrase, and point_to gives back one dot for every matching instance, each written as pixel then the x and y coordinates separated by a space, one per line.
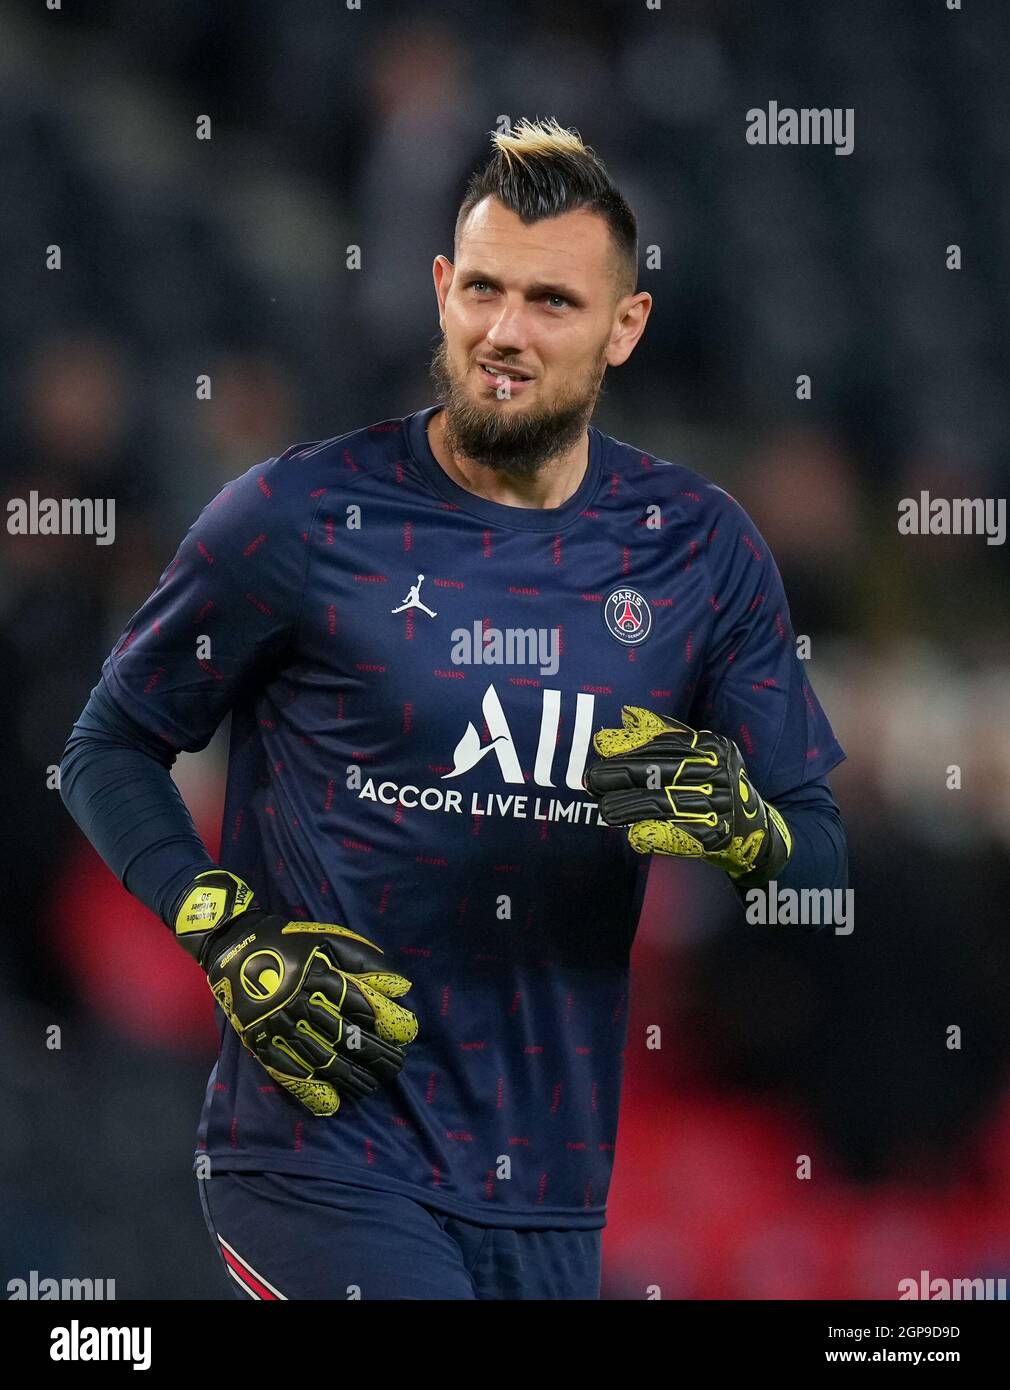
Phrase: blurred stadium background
pixel 182 257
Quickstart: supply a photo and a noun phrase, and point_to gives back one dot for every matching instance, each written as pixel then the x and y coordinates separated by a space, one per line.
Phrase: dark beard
pixel 519 443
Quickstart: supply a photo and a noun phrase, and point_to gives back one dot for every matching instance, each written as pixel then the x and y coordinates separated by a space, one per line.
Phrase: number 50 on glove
pixel 685 792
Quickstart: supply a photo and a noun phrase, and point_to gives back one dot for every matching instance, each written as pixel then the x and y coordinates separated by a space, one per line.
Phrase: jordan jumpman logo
pixel 413 601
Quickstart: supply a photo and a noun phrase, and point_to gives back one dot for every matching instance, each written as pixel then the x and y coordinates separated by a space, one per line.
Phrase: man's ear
pixel 634 314
pixel 442 271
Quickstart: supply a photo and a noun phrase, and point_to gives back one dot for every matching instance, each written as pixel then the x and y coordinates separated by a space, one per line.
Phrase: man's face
pixel 537 300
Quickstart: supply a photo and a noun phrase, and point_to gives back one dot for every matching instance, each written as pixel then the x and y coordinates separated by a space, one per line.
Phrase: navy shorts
pixel 292 1237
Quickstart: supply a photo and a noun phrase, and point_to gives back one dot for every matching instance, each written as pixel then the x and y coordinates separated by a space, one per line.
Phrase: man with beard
pixel 407 822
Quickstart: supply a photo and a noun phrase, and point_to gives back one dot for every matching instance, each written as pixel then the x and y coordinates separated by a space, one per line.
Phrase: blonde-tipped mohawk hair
pixel 538 137
pixel 540 170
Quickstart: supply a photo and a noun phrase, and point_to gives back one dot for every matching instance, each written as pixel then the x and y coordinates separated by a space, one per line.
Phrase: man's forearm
pixel 116 782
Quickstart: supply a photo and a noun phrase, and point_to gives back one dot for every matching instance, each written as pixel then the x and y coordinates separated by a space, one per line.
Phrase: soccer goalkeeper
pixel 409 846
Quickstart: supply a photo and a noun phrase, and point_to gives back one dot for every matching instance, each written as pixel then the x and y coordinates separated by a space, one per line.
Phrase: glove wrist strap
pixel 777 847
pixel 775 852
pixel 212 901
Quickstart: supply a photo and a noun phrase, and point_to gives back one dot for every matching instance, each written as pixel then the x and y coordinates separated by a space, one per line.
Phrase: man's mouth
pixel 497 372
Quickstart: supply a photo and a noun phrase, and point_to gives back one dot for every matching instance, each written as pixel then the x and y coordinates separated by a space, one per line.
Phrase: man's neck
pixel 550 487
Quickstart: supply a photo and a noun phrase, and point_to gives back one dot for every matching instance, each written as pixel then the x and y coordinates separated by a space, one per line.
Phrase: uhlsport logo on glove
pixel 262 974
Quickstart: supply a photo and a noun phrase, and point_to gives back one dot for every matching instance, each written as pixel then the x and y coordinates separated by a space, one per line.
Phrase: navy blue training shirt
pixel 414 675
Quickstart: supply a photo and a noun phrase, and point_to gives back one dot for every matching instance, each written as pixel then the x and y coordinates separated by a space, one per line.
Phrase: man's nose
pixel 509 332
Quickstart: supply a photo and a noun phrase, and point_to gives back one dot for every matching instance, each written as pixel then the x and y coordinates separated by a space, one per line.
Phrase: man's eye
pixel 479 284
pixel 557 296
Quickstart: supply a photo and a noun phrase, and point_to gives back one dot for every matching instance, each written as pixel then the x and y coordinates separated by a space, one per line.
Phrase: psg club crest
pixel 627 616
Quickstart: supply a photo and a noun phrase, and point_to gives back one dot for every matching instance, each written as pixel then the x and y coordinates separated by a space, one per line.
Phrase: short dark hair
pixel 540 170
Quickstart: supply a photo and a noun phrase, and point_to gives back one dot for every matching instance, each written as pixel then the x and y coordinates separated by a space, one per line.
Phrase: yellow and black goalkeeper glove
pixel 313 1002
pixel 685 791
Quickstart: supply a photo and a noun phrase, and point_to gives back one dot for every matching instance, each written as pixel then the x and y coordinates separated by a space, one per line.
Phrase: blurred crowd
pixel 179 257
